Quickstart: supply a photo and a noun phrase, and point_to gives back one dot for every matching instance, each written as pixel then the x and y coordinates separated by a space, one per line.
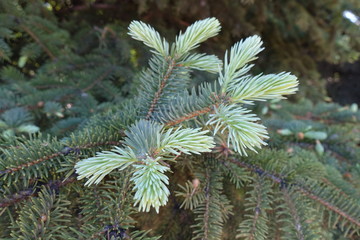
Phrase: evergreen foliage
pixel 163 157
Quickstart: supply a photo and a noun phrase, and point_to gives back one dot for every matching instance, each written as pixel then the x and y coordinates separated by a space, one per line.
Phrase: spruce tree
pixel 188 160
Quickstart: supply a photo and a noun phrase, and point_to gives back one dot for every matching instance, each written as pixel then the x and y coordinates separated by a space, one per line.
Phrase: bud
pixel 319 148
pixel 195 183
pixel 300 135
pixel 265 110
pixel 316 135
pixel 354 107
pixel 290 150
pixel 43 218
pixel 40 104
pixel 284 132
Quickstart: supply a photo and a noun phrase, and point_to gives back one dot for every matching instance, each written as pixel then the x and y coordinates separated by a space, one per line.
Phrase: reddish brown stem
pixel 307 193
pixel 42 45
pixel 189 116
pixel 54 155
pixel 160 90
pixel 24 194
pixel 99 79
pixel 29 164
pixel 330 206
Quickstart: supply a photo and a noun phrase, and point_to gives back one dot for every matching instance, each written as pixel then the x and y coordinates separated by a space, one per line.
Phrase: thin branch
pixel 189 116
pixel 24 194
pixel 257 210
pixel 94 6
pixel 258 170
pixel 207 205
pixel 161 88
pixel 42 45
pixel 330 206
pixel 294 214
pixel 99 79
pixel 29 164
pixel 283 184
pixel 217 100
pixel 63 152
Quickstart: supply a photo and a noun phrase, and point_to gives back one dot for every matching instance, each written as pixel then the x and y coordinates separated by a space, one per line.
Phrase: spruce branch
pixel 65 151
pixel 202 62
pixel 38 41
pixel 207 205
pixel 255 226
pixel 259 88
pixel 17 197
pixel 330 206
pixel 28 192
pixel 294 214
pixel 235 66
pixel 151 38
pixel 212 212
pixel 29 164
pixel 150 185
pixel 169 72
pixel 5 51
pixel 241 128
pixel 146 145
pixel 196 33
pixel 42 217
pixel 192 194
pixel 186 141
pixel 96 168
pixel 257 169
pixel 160 89
pixel 189 116
pixel 315 194
pixel 98 80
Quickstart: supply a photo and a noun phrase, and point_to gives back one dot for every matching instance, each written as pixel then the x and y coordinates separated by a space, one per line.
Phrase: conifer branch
pixel 151 38
pixel 99 79
pixel 329 206
pixel 163 82
pixel 242 129
pixel 43 46
pixel 17 197
pixel 257 211
pixel 294 214
pixel 189 116
pixel 284 183
pixel 195 34
pixel 26 193
pixel 31 163
pixel 258 170
pixel 64 152
pixel 255 224
pixel 207 204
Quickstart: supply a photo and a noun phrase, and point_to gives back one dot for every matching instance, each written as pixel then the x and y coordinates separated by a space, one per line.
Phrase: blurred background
pixel 319 41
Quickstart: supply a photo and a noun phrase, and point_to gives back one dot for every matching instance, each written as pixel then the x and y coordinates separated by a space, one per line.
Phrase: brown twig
pixel 56 154
pixel 303 190
pixel 257 211
pixel 95 6
pixel 42 45
pixel 207 205
pixel 294 214
pixel 29 164
pixel 24 194
pixel 99 79
pixel 189 116
pixel 330 206
pixel 161 88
